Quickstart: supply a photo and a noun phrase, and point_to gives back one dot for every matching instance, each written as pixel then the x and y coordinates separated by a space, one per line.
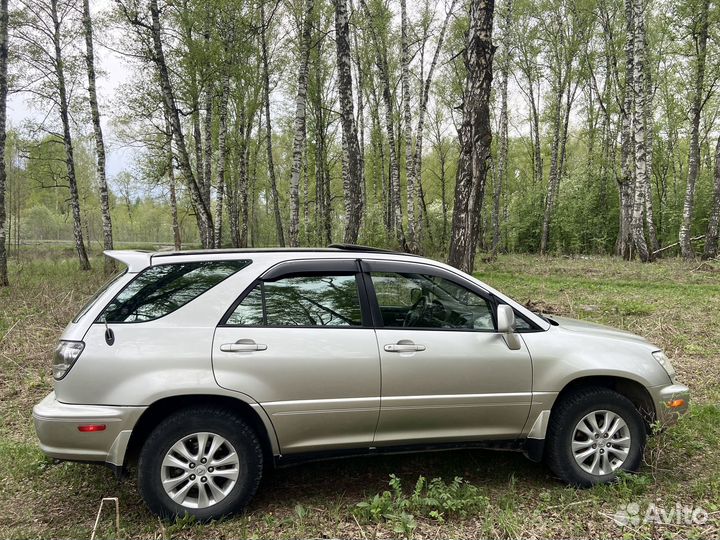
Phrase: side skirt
pixel 288 460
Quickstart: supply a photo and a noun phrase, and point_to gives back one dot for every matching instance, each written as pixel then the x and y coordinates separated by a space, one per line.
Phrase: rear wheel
pixel 201 461
pixel 592 435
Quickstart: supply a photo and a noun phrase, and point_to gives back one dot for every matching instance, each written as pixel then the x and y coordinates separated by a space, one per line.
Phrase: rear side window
pixel 160 290
pixel 305 300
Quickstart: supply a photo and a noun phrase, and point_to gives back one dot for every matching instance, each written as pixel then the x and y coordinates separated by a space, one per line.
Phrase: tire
pixel 566 437
pixel 228 486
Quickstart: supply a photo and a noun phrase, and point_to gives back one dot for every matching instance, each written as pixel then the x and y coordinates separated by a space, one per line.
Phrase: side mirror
pixel 506 326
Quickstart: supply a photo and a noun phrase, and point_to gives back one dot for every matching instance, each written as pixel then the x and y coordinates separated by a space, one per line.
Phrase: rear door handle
pixel 243 345
pixel 404 345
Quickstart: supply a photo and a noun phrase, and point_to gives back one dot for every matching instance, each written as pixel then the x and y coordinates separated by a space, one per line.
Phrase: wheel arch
pixel 631 389
pixel 162 408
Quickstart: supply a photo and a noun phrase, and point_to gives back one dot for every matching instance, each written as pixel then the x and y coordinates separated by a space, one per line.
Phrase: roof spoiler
pixel 134 260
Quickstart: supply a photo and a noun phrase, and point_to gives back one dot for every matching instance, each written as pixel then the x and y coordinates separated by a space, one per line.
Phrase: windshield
pixel 97 294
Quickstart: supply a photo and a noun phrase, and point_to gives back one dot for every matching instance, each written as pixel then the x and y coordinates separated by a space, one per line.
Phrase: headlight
pixel 664 361
pixel 66 353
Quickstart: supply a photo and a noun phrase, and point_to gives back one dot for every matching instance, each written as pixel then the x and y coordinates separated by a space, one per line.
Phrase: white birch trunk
pixel 700 39
pixel 300 125
pixel 67 138
pixel 638 231
pixel 711 235
pixel 99 141
pixel 3 116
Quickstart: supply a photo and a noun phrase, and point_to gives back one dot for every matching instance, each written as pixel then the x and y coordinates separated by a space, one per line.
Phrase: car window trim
pixel 138 274
pixel 305 267
pixel 406 267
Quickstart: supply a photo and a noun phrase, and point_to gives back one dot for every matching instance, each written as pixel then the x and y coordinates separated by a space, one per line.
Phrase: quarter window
pixel 301 300
pixel 160 290
pixel 409 300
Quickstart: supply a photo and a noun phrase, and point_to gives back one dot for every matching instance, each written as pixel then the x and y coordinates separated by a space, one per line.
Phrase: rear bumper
pixel 57 425
pixel 671 402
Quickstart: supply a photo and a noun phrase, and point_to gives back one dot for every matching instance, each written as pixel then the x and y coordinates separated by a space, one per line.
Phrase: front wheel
pixel 203 462
pixel 594 434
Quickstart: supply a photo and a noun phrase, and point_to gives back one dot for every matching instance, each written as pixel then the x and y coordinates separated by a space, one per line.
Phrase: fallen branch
pixel 117 516
pixel 677 244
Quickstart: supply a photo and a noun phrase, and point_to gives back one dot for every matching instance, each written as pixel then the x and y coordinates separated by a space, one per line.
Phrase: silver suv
pixel 204 367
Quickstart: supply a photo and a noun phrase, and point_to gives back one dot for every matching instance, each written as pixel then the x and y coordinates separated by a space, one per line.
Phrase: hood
pixel 593 329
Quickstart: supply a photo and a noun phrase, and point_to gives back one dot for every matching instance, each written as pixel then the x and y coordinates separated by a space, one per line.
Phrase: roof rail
pixel 357 247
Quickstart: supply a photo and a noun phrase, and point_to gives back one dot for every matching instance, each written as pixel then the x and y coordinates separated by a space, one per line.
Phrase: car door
pixel 300 342
pixel 447 375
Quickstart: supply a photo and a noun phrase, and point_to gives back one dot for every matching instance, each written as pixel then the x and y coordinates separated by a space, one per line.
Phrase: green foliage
pixel 434 499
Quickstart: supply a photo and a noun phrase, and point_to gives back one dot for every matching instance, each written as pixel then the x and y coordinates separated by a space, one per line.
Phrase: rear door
pixel 447 375
pixel 301 343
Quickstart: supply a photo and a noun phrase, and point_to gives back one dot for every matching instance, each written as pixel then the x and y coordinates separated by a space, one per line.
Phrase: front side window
pixel 301 300
pixel 410 300
pixel 159 290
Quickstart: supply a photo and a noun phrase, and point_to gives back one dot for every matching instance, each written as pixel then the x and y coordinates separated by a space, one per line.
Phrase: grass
pixel 449 494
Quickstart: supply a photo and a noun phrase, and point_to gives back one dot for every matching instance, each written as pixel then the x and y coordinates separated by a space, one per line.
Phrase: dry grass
pixel 674 304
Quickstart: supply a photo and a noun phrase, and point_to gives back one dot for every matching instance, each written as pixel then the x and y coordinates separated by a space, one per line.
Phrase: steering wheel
pixel 416 312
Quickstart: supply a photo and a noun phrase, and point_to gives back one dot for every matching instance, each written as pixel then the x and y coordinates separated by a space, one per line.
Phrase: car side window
pixel 159 290
pixel 410 300
pixel 301 300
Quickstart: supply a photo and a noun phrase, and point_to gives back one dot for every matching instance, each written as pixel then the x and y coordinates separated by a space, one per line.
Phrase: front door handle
pixel 404 345
pixel 243 345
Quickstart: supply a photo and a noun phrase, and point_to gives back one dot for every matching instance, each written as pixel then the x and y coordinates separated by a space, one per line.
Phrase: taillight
pixel 65 356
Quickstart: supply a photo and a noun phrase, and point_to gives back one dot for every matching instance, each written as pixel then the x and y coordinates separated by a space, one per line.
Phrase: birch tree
pixel 474 135
pixel 407 126
pixel 626 181
pixel 351 154
pixel 501 168
pixel 268 125
pixel 713 228
pixel 300 123
pixel 4 16
pixel 46 36
pixel 699 32
pixel 98 134
pixel 639 134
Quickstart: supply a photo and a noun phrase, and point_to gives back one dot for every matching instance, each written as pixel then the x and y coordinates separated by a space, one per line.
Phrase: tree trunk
pixel 222 158
pixel 554 178
pixel 351 161
pixel 641 180
pixel 649 143
pixel 394 199
pixel 177 240
pixel 245 181
pixel 268 126
pixel 4 15
pixel 407 128
pixel 67 139
pixel 700 37
pixel 501 172
pixel 626 181
pixel 711 236
pixel 300 122
pixel 535 128
pixel 424 98
pixel 475 137
pixel 203 212
pixel 99 142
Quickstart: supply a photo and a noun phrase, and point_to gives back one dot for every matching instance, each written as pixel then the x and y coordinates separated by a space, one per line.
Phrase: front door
pixel 299 343
pixel 447 375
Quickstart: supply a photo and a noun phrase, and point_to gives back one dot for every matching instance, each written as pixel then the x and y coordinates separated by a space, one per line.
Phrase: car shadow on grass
pixel 356 478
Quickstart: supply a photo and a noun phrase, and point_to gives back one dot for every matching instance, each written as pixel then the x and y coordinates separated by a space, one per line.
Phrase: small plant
pixel 436 500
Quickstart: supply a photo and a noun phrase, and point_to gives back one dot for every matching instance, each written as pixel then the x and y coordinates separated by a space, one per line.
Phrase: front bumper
pixel 57 425
pixel 671 402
